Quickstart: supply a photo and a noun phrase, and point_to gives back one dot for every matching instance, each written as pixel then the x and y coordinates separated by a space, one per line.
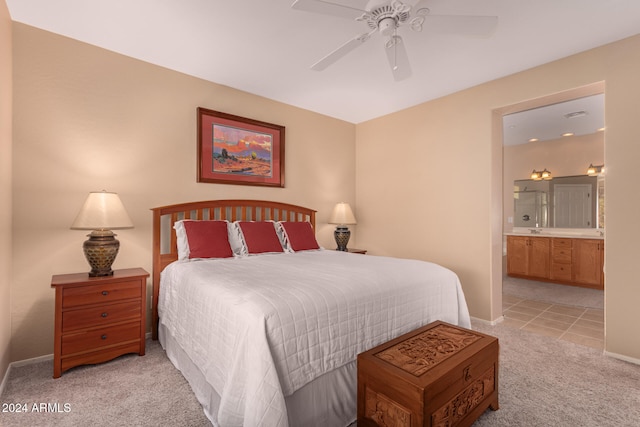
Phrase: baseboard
pixel 488 322
pixel 622 357
pixel 31 361
pixel 19 363
pixel 4 380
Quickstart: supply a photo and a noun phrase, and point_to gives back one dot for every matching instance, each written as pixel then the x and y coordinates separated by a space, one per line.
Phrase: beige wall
pixel 563 157
pixel 429 181
pixel 5 188
pixel 88 119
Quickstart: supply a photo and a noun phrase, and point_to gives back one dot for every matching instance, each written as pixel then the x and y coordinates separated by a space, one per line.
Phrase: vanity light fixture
pixel 533 140
pixel 546 175
pixel 567 134
pixel 540 175
pixel 595 170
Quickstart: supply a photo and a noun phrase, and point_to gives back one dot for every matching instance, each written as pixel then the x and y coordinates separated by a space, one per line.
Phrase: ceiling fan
pixel 386 17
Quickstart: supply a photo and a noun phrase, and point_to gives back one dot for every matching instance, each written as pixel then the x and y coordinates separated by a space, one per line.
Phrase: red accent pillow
pixel 208 239
pixel 300 235
pixel 260 237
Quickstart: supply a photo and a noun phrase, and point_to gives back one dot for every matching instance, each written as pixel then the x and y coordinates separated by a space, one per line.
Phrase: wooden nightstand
pixel 357 251
pixel 98 318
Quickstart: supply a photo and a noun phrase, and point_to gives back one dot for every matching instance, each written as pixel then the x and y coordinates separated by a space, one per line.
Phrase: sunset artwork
pixel 239 151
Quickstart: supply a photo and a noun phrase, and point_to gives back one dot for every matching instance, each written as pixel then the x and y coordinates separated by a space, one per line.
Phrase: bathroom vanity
pixel 566 259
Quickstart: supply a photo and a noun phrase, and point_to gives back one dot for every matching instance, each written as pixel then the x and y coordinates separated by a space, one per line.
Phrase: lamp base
pixel 342 235
pixel 100 250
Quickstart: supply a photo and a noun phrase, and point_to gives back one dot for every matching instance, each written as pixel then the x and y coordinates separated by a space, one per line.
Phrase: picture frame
pixel 238 150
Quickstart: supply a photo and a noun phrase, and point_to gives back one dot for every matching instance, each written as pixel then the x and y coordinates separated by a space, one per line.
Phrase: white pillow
pixel 236 240
pixel 181 240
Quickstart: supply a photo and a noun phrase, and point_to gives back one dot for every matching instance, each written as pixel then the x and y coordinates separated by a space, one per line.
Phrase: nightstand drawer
pixel 101 337
pixel 103 315
pixel 100 293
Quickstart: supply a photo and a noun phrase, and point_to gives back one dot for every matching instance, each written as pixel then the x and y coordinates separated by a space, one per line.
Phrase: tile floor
pixel 579 325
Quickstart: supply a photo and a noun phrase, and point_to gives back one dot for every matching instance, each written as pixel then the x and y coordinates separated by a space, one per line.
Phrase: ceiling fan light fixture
pixel 387 26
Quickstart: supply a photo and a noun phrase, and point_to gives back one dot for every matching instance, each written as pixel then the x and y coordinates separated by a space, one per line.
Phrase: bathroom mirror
pixel 562 202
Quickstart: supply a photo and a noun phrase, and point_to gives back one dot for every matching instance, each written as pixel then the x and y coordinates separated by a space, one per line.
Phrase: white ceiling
pixel 580 116
pixel 266 48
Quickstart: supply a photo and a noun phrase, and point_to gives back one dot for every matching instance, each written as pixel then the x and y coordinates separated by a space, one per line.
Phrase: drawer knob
pixel 105 293
pixel 104 314
pixel 104 337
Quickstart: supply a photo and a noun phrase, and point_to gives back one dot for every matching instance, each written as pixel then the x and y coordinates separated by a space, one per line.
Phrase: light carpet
pixel 548 382
pixel 128 391
pixel 542 382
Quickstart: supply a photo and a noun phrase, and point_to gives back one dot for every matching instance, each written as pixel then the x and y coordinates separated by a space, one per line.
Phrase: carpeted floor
pixel 128 391
pixel 548 382
pixel 543 382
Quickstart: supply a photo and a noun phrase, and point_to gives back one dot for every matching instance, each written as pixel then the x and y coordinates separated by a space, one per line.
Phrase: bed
pixel 269 337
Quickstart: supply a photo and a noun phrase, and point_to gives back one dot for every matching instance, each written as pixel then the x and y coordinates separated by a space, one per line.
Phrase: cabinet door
pixel 517 257
pixel 539 255
pixel 588 258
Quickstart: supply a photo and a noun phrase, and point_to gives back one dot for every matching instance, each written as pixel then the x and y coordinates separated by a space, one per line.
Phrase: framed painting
pixel 237 150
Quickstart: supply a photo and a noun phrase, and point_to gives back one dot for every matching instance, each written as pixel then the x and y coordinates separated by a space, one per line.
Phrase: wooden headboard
pixel 165 249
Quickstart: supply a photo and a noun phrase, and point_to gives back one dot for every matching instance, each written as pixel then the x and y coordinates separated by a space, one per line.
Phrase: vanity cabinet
pixel 588 259
pixel 561 260
pixel 528 256
pixel 571 261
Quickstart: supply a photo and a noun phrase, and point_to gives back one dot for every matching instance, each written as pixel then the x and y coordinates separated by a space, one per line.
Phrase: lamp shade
pixel 102 211
pixel 342 214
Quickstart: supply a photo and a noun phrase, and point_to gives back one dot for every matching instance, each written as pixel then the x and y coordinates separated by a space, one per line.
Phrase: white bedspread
pixel 260 327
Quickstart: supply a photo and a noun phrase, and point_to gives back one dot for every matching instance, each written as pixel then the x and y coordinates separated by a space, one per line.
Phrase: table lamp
pixel 342 215
pixel 101 212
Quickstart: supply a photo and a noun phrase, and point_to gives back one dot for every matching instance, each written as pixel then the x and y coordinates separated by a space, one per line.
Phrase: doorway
pixel 566 218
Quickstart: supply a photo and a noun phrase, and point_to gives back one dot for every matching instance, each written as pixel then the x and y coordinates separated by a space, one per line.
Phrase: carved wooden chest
pixel 437 375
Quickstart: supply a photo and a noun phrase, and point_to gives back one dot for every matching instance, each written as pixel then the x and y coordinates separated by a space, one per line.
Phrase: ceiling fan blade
pixel 329 8
pixel 341 51
pixel 398 58
pixel 470 25
pixel 416 4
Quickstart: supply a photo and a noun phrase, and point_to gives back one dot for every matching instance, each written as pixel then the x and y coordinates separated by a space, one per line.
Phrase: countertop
pixel 591 233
